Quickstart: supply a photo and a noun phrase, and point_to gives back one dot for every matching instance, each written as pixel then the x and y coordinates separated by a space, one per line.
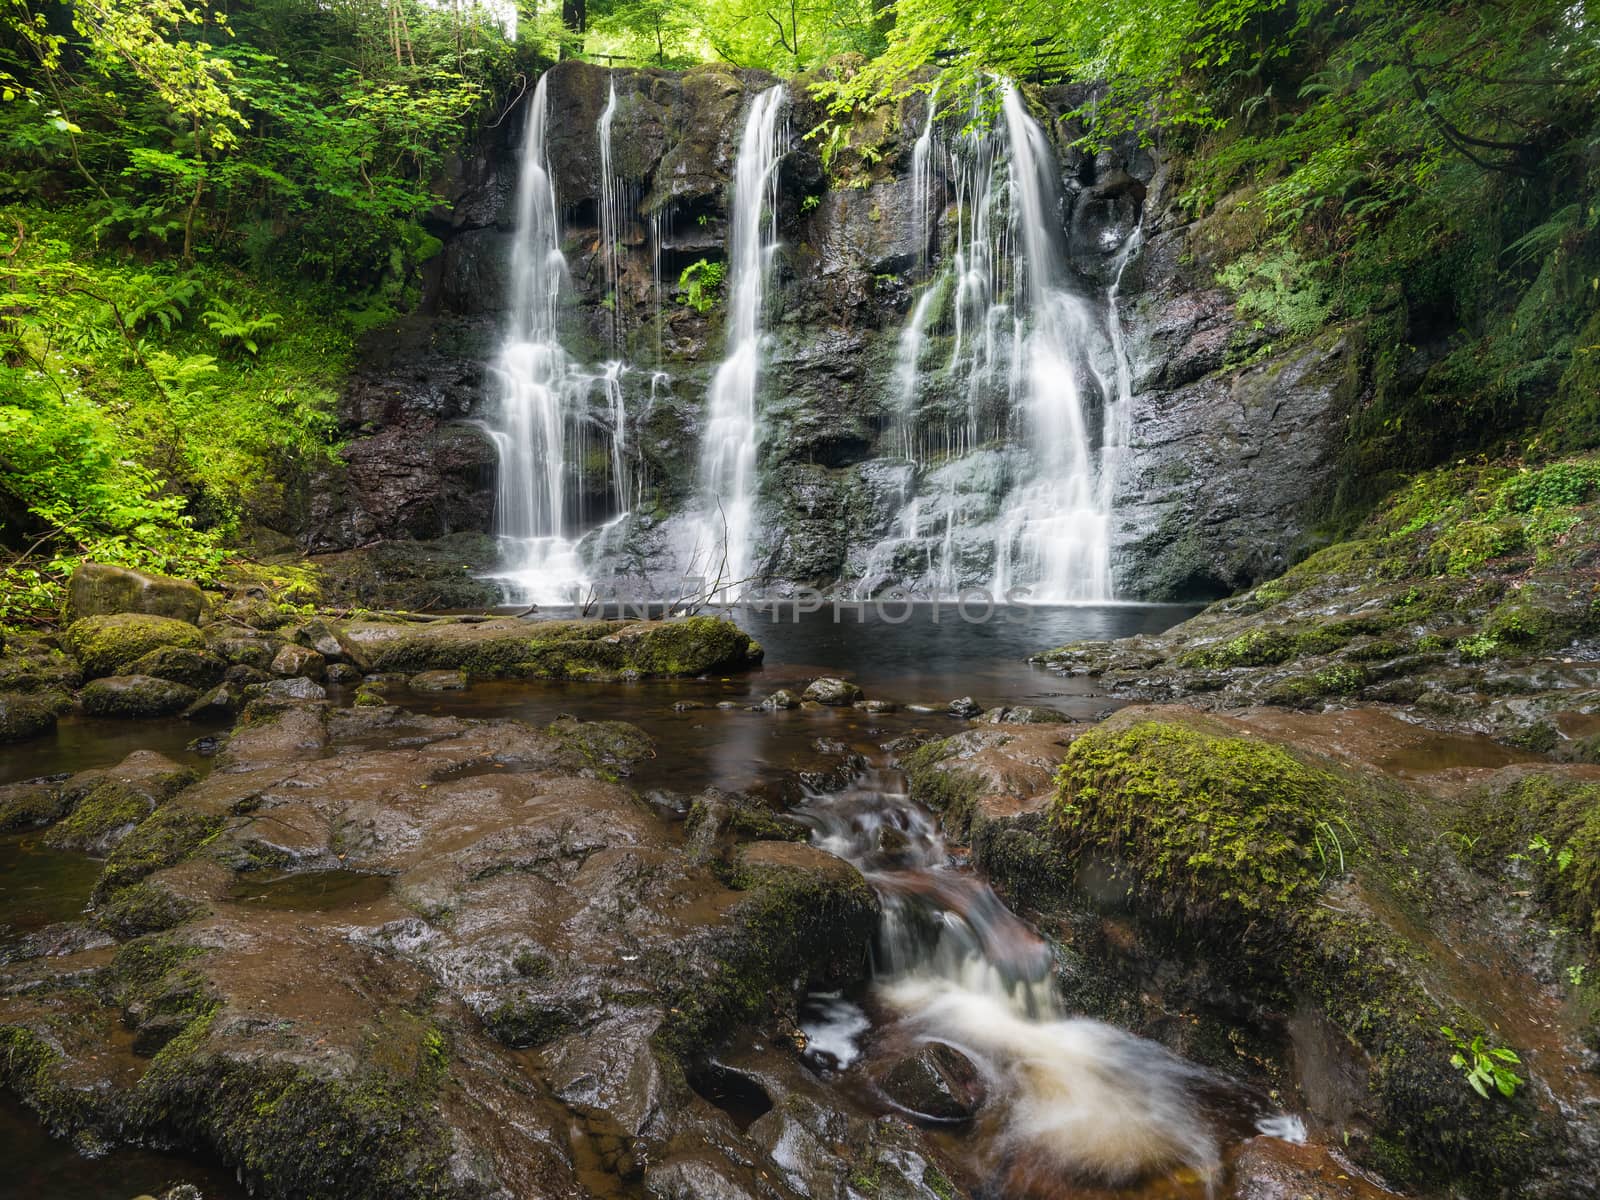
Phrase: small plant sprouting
pixel 807 203
pixel 1483 1065
pixel 1329 846
pixel 1575 975
pixel 700 284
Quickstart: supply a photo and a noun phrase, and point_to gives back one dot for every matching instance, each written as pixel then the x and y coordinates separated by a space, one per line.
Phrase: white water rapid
pixel 721 549
pixel 1069 1097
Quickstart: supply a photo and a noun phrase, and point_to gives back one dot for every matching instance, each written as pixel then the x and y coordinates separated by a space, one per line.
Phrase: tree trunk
pixel 575 16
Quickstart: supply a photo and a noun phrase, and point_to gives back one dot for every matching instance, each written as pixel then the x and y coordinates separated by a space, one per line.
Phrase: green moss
pixel 1253 648
pixel 692 646
pixel 809 922
pixel 30 805
pixel 1548 826
pixel 1218 827
pixel 168 836
pixel 106 645
pixel 98 817
pixel 143 908
pixel 610 748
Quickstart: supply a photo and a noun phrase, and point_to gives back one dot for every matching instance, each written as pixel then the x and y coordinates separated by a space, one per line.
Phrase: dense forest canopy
pixel 206 203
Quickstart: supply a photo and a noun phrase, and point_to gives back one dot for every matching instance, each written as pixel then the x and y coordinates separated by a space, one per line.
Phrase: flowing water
pixel 721 549
pixel 610 221
pixel 1017 434
pixel 1071 1101
pixel 545 422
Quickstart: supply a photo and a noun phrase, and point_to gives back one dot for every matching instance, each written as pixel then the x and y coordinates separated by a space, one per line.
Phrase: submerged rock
pixel 99 589
pixel 938 1083
pixel 829 690
pixel 437 681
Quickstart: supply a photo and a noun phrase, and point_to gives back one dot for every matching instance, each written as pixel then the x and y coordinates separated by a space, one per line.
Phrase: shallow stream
pixel 952 964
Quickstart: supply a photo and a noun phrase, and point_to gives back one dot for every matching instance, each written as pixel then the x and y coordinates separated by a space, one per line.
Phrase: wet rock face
pixel 1224 467
pixel 509 1002
pixel 937 1083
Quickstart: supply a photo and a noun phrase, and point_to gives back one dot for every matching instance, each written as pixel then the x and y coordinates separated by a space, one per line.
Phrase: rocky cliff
pixel 1225 464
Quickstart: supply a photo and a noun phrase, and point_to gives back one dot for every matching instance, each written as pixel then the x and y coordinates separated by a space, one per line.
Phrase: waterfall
pixel 1035 390
pixel 610 219
pixel 922 182
pixel 722 549
pixel 1055 533
pixel 542 424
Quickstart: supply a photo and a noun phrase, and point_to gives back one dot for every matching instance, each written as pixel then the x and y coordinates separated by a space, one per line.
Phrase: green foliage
pixel 1484 1066
pixel 142 418
pixel 1279 290
pixel 700 284
pixel 236 328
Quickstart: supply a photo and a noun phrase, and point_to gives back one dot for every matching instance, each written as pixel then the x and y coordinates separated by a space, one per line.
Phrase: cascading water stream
pixel 1069 1096
pixel 1024 484
pixel 610 221
pixel 721 548
pixel 542 424
pixel 539 394
pixel 1055 533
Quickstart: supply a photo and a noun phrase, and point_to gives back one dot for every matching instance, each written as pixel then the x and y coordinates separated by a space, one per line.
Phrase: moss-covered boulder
pixel 37 664
pixel 30 804
pixel 107 645
pixel 99 589
pixel 198 669
pixel 804 916
pixel 509 648
pixel 136 696
pixel 104 806
pixel 1220 830
pixel 27 715
pixel 1306 884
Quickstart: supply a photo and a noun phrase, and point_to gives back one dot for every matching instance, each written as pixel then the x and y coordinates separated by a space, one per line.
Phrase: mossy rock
pixel 29 715
pixel 144 908
pixel 1547 824
pixel 584 649
pixel 135 696
pixel 611 748
pixel 100 589
pixel 106 645
pixel 805 917
pixel 198 669
pixel 1218 828
pixel 171 834
pixel 31 803
pixel 35 664
pixel 1229 844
